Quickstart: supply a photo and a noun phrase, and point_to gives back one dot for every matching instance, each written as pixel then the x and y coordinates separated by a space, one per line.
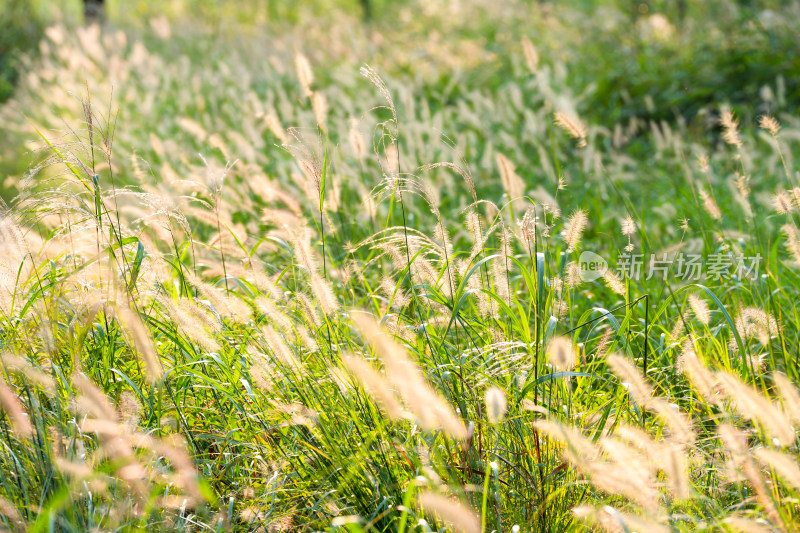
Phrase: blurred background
pixel 654 58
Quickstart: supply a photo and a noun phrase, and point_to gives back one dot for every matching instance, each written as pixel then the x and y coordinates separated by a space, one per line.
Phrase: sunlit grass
pixel 246 291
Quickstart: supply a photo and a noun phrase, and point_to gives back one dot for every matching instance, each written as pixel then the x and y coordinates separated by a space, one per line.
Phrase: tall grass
pixel 261 292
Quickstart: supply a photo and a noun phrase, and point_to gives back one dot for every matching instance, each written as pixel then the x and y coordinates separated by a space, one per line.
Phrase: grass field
pixel 463 266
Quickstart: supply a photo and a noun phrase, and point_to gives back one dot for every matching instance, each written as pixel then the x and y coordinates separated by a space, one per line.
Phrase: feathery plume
pixel 575 226
pixel 613 282
pixel 495 400
pixel 580 450
pixel 635 481
pixel 641 391
pixel 736 443
pixel 531 55
pixel 572 276
pixel 611 520
pixel 700 309
pixel 281 350
pixel 319 106
pixel 792 240
pixel 702 162
pixel 512 183
pixel 324 294
pixel 561 353
pixel 455 514
pixel 274 124
pixel 431 410
pixel 16 414
pixel 770 124
pixel 304 73
pixel 730 128
pixel 134 326
pixel 754 322
pixel 782 202
pixel 702 380
pixel 789 396
pixel 753 406
pixel 357 140
pixel 375 385
pixel 93 401
pixel 628 226
pixel 672 460
pixel 572 126
pixel 710 205
pixel 629 375
pixel 784 464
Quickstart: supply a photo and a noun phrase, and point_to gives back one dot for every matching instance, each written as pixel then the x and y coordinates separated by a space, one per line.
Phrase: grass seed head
pixel 16 414
pixel 770 124
pixel 613 282
pixel 572 126
pixel 700 309
pixel 496 404
pixel 304 74
pixel 730 128
pixel 450 511
pixel 575 227
pixel 531 55
pixel 561 354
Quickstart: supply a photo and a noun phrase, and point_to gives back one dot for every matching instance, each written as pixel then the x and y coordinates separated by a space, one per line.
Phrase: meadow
pixel 459 267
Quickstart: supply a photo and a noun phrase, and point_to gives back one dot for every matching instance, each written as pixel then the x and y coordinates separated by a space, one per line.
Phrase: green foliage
pixel 21 31
pixel 661 69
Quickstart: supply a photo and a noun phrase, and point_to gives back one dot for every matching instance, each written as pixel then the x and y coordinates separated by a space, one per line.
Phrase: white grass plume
pixel 431 410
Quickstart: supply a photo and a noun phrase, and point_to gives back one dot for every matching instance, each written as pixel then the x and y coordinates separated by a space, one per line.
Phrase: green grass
pixel 185 266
